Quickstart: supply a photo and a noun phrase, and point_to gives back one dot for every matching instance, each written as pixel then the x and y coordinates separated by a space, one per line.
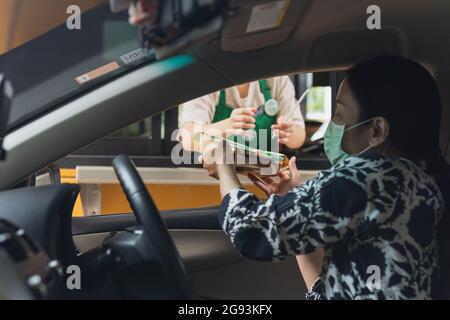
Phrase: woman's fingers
pixel 212 171
pixel 209 166
pixel 293 166
pixel 285 175
pixel 268 180
pixel 260 184
pixel 266 189
pixel 265 180
pixel 291 172
pixel 207 157
pixel 267 185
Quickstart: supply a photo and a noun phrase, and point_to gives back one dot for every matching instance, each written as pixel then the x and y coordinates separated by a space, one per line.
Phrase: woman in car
pixel 377 212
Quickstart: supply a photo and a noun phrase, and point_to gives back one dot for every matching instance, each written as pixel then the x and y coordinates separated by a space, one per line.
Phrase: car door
pixel 215 267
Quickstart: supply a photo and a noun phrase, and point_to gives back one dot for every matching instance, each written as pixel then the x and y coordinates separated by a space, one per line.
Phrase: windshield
pixel 52 67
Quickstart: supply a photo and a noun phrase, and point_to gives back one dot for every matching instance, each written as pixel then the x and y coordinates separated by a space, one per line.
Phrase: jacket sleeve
pixel 321 211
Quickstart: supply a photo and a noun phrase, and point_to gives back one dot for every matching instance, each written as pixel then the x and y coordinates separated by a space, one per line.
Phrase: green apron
pixel 262 119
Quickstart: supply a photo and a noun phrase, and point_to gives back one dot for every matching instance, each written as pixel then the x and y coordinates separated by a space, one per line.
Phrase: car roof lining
pixel 329 27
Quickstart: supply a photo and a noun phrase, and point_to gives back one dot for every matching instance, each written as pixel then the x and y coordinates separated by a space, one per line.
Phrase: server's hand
pixel 240 120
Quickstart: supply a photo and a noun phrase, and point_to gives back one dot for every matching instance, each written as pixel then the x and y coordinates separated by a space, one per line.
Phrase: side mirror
pixel 6 96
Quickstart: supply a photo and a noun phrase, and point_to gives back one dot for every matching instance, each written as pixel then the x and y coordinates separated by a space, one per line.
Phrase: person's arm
pixel 195 115
pixel 305 219
pixel 228 179
pixel 290 134
pixel 290 124
pixel 310 264
pixel 240 119
pixel 190 129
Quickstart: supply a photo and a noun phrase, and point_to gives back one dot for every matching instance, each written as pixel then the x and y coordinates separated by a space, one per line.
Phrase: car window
pixel 150 144
pixel 50 67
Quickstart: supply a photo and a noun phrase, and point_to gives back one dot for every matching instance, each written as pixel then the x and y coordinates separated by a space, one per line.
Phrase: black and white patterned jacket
pixel 370 213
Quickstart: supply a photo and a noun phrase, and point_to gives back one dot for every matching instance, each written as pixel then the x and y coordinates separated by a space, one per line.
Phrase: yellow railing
pixel 166 196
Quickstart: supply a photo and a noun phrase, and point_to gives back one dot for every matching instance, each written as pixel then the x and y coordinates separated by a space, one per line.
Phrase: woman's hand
pixel 216 154
pixel 218 160
pixel 207 159
pixel 289 179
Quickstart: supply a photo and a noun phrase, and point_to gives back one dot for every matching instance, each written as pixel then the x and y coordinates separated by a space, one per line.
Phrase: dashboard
pixel 123 266
pixel 26 272
pixel 36 241
pixel 46 214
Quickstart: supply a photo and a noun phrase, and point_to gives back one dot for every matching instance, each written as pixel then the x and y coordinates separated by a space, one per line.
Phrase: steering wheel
pixel 154 228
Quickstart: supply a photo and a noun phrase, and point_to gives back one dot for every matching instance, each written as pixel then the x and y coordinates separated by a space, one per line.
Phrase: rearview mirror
pixel 169 26
pixel 119 5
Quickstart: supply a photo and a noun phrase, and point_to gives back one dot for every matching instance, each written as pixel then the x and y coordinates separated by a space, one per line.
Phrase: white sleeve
pixel 200 110
pixel 285 95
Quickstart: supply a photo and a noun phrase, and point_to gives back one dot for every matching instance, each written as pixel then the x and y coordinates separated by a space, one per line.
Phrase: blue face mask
pixel 333 140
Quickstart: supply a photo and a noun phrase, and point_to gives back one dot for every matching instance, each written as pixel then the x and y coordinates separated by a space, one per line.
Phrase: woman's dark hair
pixel 407 96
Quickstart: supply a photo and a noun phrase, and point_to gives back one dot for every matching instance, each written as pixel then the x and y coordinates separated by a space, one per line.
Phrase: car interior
pixel 149 253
